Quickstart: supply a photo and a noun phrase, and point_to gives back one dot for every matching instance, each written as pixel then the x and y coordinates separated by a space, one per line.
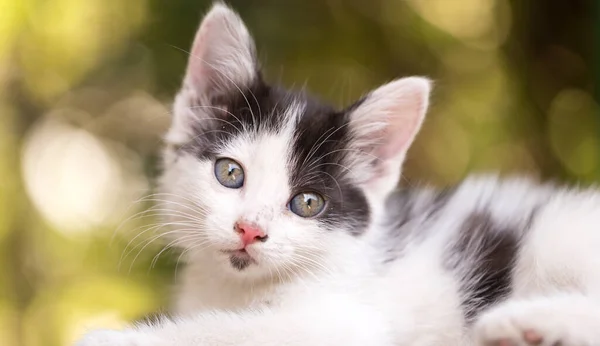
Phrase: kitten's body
pixel 442 258
pixel 490 260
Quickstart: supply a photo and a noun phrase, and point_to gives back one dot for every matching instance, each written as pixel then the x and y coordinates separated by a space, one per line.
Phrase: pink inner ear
pixel 388 121
pixel 404 121
pixel 198 71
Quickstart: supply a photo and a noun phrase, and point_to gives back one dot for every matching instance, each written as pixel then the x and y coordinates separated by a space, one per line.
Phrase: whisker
pixel 172 244
pixel 152 241
pixel 152 228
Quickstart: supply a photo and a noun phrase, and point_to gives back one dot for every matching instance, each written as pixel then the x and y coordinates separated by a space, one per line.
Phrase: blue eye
pixel 307 204
pixel 229 173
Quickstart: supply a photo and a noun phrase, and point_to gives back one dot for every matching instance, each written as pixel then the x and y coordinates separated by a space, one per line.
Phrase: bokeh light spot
pixel 71 177
pixel 573 127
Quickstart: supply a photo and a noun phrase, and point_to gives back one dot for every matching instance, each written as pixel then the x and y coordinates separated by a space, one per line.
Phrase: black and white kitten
pixel 296 235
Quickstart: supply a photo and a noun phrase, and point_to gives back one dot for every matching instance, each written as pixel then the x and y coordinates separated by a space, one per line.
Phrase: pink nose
pixel 249 233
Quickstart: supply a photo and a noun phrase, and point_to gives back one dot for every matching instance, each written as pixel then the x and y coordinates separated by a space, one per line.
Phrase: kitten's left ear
pixel 223 55
pixel 222 63
pixel 383 125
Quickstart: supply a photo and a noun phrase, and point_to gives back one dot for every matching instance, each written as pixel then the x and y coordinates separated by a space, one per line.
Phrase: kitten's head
pixel 264 180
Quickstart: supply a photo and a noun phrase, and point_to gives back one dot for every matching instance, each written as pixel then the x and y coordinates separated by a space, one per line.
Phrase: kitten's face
pixel 277 163
pixel 264 181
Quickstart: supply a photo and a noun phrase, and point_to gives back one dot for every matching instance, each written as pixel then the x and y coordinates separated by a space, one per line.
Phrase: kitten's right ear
pixel 383 126
pixel 222 61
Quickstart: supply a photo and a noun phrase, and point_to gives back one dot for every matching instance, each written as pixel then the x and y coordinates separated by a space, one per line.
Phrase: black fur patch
pixel 256 107
pixel 321 144
pixel 487 252
pixel 239 263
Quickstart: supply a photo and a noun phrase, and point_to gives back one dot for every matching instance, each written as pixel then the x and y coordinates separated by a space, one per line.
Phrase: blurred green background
pixel 85 87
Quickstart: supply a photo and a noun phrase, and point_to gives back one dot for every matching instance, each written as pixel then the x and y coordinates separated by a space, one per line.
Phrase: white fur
pixel 561 319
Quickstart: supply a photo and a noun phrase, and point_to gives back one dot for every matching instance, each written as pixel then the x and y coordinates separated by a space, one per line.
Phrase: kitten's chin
pixel 240 259
pixel 241 264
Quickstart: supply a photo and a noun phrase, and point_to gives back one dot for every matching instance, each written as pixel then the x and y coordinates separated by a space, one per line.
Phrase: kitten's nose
pixel 249 232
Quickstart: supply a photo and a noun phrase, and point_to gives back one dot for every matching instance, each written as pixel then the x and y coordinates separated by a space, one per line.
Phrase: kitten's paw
pixel 118 338
pixel 564 321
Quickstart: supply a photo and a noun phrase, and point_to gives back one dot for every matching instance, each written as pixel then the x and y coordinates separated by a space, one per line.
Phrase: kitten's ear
pixel 222 61
pixel 223 54
pixel 383 126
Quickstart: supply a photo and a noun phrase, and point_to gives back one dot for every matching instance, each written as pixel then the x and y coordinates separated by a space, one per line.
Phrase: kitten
pixel 296 235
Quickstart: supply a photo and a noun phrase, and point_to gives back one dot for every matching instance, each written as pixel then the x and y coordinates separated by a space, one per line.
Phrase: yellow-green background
pixel 84 93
